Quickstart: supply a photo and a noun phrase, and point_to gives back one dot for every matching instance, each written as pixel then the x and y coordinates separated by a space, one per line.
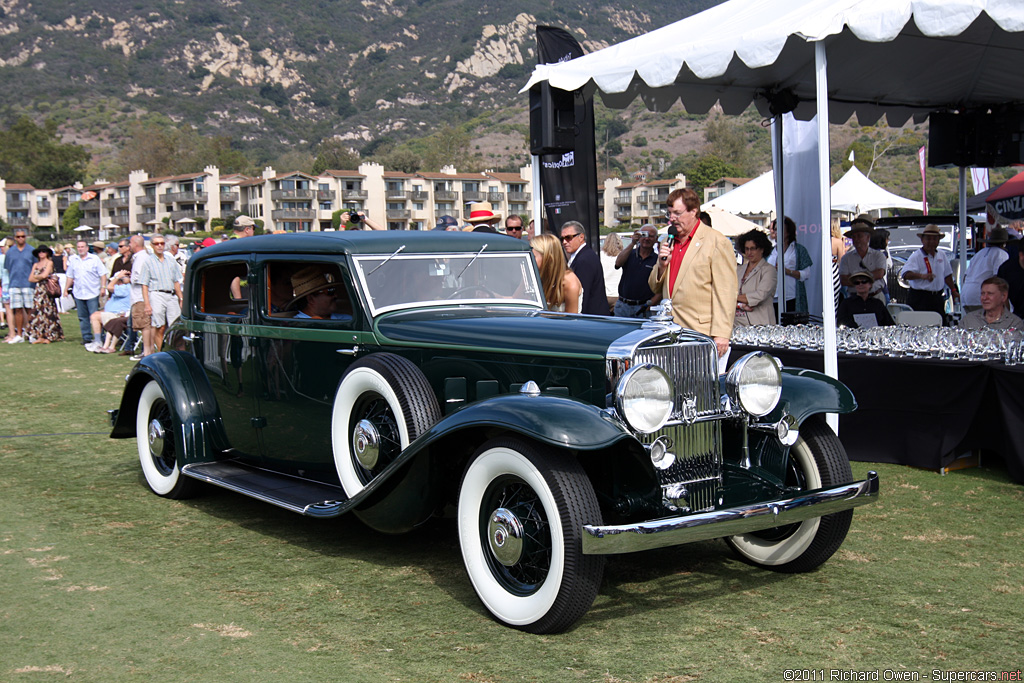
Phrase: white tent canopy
pixel 925 54
pixel 855 193
pixel 754 197
pixel 900 58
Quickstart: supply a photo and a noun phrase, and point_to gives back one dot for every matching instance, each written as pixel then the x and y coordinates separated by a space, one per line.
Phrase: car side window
pixel 308 292
pixel 222 289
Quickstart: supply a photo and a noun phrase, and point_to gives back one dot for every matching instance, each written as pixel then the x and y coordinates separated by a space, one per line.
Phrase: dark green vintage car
pixel 399 374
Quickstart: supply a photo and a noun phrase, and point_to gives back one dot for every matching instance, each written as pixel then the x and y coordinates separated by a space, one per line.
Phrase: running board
pixel 306 497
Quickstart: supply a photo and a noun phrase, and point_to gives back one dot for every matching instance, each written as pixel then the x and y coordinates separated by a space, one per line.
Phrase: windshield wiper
pixel 388 259
pixel 471 261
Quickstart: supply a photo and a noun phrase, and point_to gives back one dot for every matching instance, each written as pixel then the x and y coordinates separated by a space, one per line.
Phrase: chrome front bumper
pixel 660 533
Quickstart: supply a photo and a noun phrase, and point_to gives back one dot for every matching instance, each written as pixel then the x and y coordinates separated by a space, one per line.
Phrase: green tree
pixel 72 217
pixel 35 155
pixel 707 170
pixel 727 142
pixel 401 159
pixel 334 154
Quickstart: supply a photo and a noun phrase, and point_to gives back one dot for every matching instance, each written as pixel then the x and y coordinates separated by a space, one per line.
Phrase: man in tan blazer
pixel 698 273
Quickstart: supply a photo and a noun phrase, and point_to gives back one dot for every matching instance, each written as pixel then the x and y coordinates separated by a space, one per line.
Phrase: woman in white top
pixel 562 289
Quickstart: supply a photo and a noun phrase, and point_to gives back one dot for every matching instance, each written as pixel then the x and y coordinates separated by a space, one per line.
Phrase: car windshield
pixel 410 280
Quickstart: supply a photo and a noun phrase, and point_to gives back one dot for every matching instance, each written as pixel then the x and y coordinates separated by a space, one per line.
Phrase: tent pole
pixel 963 231
pixel 538 204
pixel 780 212
pixel 828 301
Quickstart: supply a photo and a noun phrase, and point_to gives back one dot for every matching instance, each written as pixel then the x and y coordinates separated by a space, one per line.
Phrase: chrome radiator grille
pixel 693 366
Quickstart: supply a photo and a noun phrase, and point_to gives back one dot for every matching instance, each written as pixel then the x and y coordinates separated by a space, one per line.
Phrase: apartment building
pixel 644 201
pixel 296 201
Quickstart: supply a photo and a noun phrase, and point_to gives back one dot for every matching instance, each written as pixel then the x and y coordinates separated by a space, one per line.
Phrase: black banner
pixel 568 177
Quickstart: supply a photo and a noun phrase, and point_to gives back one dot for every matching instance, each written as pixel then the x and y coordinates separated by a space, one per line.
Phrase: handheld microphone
pixel 669 238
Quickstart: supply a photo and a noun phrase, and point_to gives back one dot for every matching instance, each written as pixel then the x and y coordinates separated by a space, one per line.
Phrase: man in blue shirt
pixel 18 264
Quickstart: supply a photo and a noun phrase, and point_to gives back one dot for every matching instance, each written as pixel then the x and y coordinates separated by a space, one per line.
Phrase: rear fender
pixel 189 396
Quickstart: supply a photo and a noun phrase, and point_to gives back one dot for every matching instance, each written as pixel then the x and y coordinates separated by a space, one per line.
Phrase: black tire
pixel 816 460
pixel 391 398
pixel 540 582
pixel 158 439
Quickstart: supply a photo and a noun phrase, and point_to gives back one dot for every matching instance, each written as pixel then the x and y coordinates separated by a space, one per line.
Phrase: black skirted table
pixel 925 412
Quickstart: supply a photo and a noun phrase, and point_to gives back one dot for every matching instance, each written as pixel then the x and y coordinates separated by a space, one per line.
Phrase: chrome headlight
pixel 754 382
pixel 643 398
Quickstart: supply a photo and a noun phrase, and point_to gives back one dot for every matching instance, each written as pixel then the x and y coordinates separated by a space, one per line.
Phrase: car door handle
pixel 349 352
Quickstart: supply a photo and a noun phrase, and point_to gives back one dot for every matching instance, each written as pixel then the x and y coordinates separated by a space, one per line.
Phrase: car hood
pixel 515 330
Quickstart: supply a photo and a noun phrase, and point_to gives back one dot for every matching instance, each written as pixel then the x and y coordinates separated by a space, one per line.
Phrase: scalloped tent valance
pixel 901 58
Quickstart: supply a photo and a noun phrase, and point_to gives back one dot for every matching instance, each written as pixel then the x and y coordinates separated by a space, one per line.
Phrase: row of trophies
pixel 900 341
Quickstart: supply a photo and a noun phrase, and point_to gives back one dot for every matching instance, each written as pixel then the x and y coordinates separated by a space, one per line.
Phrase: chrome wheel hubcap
pixel 156 437
pixel 505 537
pixel 366 444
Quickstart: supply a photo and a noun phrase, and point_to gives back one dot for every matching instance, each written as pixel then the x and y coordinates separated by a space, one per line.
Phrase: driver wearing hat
pixel 862 257
pixel 928 272
pixel 315 293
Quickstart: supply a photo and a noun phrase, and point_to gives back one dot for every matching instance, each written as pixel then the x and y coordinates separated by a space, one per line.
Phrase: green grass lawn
pixel 100 580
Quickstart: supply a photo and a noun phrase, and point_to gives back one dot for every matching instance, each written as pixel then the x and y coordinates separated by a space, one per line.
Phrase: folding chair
pixel 920 318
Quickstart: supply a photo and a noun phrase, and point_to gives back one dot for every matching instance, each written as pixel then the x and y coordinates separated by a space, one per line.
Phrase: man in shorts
pixel 161 279
pixel 18 263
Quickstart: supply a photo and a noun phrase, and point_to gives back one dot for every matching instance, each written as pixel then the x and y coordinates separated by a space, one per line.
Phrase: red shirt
pixel 678 252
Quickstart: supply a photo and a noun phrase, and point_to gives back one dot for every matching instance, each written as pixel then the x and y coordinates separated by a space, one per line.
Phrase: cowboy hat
pixel 931 229
pixel 308 280
pixel 997 235
pixel 482 212
pixel 861 223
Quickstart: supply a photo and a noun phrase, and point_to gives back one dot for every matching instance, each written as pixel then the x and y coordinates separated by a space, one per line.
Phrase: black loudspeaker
pixel 982 139
pixel 552 120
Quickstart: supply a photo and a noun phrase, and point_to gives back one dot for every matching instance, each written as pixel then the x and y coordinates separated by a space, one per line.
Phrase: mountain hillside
pixel 274 76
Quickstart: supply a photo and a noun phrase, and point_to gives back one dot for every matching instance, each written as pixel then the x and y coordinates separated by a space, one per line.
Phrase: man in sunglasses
pixel 514 226
pixel 586 264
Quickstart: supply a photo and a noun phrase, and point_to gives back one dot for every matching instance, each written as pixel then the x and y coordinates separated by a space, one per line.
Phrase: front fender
pixel 558 421
pixel 189 396
pixel 808 392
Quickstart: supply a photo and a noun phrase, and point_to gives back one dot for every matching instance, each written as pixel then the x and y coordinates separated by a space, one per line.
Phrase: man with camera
pixel 636 262
pixel 354 219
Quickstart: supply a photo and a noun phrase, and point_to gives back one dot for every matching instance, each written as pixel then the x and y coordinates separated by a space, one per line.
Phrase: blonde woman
pixel 562 289
pixel 838 251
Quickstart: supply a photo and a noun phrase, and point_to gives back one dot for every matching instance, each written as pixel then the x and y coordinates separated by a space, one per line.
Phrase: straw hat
pixel 482 212
pixel 931 229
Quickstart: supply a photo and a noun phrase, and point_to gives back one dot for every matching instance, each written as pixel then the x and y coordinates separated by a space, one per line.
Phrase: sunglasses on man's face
pixel 517 228
pixel 570 238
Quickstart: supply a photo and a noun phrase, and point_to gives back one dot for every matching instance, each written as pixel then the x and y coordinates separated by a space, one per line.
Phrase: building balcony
pixel 91 205
pixel 16 204
pixel 454 213
pixel 190 213
pixel 293 194
pixel 353 195
pixel 18 221
pixel 519 196
pixel 116 202
pixel 63 202
pixel 623 215
pixel 228 197
pixel 419 196
pixel 495 197
pixel 396 194
pixel 146 217
pixel 146 200
pixel 176 197
pixel 325 195
pixel 623 201
pixel 445 196
pixel 43 205
pixel 399 214
pixel 293 214
pixel 473 196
